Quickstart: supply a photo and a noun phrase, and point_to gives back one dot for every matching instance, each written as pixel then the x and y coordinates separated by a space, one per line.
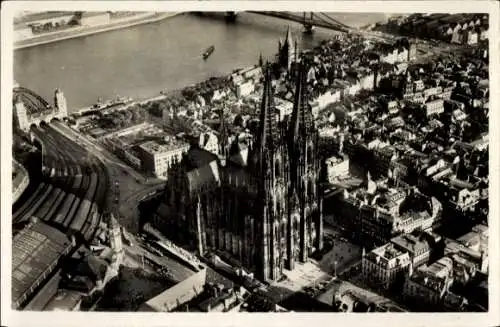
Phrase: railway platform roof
pixel 36 250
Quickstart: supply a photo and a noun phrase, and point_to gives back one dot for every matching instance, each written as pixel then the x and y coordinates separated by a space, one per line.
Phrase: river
pixel 141 61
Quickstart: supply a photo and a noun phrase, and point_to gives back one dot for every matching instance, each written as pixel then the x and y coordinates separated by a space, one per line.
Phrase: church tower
pixel 287 51
pixel 304 168
pixel 407 87
pixel 115 234
pixel 115 241
pixel 21 114
pixel 60 103
pixel 268 167
pixel 223 139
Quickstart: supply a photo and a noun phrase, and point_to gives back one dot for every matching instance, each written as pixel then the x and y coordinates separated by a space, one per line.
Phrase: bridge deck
pixel 319 22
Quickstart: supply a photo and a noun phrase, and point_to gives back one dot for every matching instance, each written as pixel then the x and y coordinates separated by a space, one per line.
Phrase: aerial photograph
pixel 250 161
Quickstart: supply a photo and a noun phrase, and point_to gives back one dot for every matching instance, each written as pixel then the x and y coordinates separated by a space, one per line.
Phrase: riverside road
pixel 141 61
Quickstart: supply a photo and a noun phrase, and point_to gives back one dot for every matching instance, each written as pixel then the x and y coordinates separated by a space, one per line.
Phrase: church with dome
pixel 257 204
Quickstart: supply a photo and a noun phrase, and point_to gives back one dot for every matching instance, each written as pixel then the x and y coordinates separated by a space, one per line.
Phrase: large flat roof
pixel 154 147
pixel 35 251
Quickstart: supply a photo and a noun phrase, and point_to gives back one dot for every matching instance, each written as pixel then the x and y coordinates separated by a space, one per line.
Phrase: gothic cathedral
pixel 258 204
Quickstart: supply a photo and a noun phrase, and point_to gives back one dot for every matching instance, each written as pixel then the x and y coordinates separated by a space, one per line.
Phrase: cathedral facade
pixel 258 204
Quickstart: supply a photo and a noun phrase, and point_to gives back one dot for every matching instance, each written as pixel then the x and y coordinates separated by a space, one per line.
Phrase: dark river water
pixel 141 61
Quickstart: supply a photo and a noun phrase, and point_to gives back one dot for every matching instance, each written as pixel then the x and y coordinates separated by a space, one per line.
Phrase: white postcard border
pixel 15 318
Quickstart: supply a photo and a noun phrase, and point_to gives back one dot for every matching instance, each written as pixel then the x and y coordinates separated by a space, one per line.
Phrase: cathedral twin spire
pixel 287 51
pixel 301 119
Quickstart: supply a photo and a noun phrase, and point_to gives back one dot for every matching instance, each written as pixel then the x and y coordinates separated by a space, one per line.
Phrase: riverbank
pixel 142 60
pixel 84 30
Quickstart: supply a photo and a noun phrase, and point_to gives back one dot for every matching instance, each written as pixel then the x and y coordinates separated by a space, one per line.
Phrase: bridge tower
pixel 231 16
pixel 60 103
pixel 21 115
pixel 308 27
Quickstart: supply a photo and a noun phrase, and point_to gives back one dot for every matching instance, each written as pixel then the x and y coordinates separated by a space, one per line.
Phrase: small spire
pixel 300 114
pixel 266 129
pixel 223 134
pixel 267 135
pixel 288 36
pixel 261 60
pixel 296 49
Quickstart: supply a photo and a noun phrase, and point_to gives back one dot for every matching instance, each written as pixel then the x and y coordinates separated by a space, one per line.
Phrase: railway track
pixel 71 193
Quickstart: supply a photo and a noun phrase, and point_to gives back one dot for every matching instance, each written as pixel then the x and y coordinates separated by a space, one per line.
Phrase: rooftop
pixel 154 147
pixel 410 243
pixel 35 250
pixel 470 239
pixel 388 251
pixel 433 277
pixel 197 157
pixel 386 254
pixel 178 294
pixel 441 268
pixel 337 159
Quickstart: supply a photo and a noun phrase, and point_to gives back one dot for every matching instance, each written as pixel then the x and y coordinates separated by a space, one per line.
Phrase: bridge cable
pixel 335 21
pixel 325 21
pixel 331 20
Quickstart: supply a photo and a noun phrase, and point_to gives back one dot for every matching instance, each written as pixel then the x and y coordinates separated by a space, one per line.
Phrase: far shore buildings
pixel 37 24
pixel 454 28
pixel 260 205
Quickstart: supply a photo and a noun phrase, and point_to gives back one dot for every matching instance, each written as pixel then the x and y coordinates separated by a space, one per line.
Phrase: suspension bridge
pixel 308 19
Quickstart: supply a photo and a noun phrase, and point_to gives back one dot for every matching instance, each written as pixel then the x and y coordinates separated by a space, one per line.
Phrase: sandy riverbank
pixel 84 30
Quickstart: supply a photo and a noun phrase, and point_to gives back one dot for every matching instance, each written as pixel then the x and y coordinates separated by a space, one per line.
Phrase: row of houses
pixel 408 262
pixel 456 28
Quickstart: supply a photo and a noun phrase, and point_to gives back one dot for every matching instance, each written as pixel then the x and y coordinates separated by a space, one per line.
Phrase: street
pixel 136 251
pixel 133 187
